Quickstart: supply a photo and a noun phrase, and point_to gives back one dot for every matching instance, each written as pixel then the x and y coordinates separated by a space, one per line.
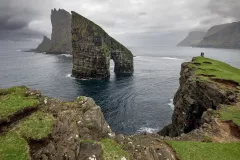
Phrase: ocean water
pixel 140 103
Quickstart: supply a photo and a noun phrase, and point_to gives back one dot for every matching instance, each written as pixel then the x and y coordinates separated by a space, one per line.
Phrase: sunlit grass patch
pixel 13 147
pixel 215 69
pixel 37 126
pixel 13 100
pixel 188 150
pixel 230 113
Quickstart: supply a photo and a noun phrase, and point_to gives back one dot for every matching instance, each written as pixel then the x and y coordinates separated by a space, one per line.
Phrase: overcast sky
pixel 133 22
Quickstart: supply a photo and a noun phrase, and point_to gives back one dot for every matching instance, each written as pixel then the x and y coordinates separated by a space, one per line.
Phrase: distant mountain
pixel 222 36
pixel 192 39
pixel 44 46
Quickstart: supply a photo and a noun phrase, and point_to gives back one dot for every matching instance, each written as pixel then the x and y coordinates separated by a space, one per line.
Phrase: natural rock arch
pixel 92 50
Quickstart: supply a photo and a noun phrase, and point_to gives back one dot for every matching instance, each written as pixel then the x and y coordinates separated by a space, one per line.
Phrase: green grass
pixel 13 100
pixel 217 69
pixel 37 126
pixel 112 150
pixel 13 147
pixel 187 150
pixel 230 113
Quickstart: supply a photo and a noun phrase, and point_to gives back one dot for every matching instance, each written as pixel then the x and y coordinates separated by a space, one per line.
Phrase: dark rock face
pixel 222 36
pixel 73 125
pixel 61 32
pixel 44 46
pixel 192 39
pixel 93 48
pixel 192 99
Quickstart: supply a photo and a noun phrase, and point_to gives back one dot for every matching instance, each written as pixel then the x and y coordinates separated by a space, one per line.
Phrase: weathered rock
pixel 65 130
pixel 73 124
pixel 61 39
pixel 93 48
pixel 44 46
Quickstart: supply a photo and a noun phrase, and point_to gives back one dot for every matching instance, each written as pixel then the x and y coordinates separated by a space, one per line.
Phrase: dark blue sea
pixel 140 103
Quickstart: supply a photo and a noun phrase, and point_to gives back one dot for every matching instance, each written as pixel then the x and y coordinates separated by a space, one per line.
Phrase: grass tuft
pixel 112 150
pixel 13 100
pixel 215 69
pixel 13 147
pixel 37 126
pixel 230 113
pixel 187 150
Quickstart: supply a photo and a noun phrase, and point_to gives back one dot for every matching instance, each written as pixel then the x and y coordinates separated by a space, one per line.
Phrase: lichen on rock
pixel 93 48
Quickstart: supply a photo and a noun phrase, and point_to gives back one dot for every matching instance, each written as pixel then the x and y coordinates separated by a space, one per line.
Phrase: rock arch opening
pixel 92 50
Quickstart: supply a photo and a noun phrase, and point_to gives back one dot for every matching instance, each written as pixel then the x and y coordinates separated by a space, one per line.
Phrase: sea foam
pixel 147 130
pixel 67 55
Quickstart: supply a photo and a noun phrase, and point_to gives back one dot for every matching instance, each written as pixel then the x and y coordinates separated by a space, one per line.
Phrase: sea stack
pixel 44 46
pixel 92 50
pixel 61 40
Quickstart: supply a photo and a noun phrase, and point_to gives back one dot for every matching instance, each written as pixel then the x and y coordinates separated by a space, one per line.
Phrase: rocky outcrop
pixel 198 93
pixel 39 127
pixel 193 39
pixel 93 48
pixel 222 36
pixel 44 46
pixel 53 129
pixel 61 39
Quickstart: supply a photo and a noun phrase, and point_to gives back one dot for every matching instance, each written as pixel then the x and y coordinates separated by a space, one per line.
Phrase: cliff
pixel 61 39
pixel 209 92
pixel 44 46
pixel 193 39
pixel 93 48
pixel 33 126
pixel 222 36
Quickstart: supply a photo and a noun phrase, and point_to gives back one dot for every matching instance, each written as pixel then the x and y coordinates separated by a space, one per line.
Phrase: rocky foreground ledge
pixel 206 123
pixel 33 126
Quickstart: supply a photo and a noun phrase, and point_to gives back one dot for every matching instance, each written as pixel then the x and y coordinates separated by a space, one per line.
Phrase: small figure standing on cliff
pixel 202 54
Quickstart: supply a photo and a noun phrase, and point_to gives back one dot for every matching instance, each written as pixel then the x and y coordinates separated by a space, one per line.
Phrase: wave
pixel 153 58
pixel 18 50
pixel 70 76
pixel 147 130
pixel 172 58
pixel 67 55
pixel 171 105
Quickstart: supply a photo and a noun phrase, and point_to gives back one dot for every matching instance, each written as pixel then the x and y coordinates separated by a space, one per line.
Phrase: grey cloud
pixel 16 15
pixel 142 13
pixel 225 8
pixel 146 20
